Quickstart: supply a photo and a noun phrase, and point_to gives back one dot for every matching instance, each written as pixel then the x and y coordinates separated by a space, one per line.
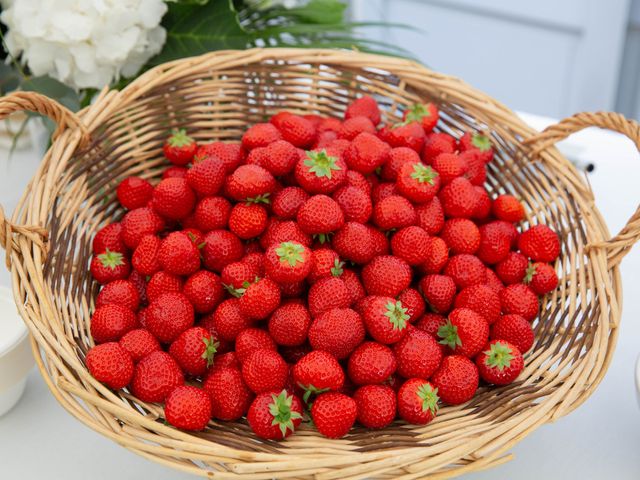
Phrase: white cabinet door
pixel 547 57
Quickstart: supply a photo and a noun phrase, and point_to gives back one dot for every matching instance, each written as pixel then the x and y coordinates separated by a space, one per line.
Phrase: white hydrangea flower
pixel 84 43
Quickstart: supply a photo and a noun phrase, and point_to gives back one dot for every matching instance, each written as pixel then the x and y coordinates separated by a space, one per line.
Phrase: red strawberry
pixel 221 248
pixel 520 299
pixel 188 408
pixel 366 153
pixel 394 212
pixel 204 290
pixel 430 216
pixel 436 144
pixel 229 154
pixel 482 299
pixel 465 332
pixel 355 204
pixel 461 235
pixel 492 281
pixel 297 130
pixel 134 192
pixel 337 331
pixel 110 364
pixel 110 322
pixel 515 330
pixel 479 143
pixel 325 139
pixel 418 354
pixel 145 256
pixel 230 396
pixel 287 202
pixel 260 135
pixel 385 319
pixel 275 416
pixel 383 190
pixel 255 259
pixel 371 363
pixel 324 263
pixel 404 134
pixel 278 232
pixel 122 292
pixel 109 237
pixel 426 114
pixel 109 266
pixel 437 256
pixel 386 275
pixel 358 180
pixel 376 405
pixel 235 275
pixel 354 285
pixel 139 343
pixel 417 401
pixel 320 215
pixel 264 370
pixel 507 208
pixel 411 245
pixel 318 372
pixel 229 320
pixel 418 182
pixel 466 270
pixel 354 126
pixel 175 172
pixel 439 291
pixel 225 360
pixel 173 199
pixel 194 350
pixel 248 220
pixel 251 339
pixel 364 106
pixel 260 299
pixel 540 244
pixel 450 166
pixel 212 213
pixel 458 198
pixel 513 268
pixel 398 157
pixel 541 278
pixel 476 173
pixel 500 363
pixel 161 283
pixel 494 244
pixel 250 183
pixel 288 262
pixel 510 230
pixel 155 376
pixel 431 323
pixel 178 254
pixel 169 315
pixel 289 324
pixel 206 177
pixel 353 242
pixel 314 119
pixel 334 414
pixel 320 172
pixel 180 148
pixel 456 380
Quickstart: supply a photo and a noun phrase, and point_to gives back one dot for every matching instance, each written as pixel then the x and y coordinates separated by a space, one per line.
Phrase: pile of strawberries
pixel 335 269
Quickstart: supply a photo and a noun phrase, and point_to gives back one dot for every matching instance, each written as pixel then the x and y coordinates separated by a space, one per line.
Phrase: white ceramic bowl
pixel 16 359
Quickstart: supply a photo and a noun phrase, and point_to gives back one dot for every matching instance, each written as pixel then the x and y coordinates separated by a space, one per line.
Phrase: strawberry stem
pixel 211 348
pixel 111 259
pixel 397 315
pixel 179 138
pixel 321 163
pixel 291 253
pixel 449 335
pixel 280 409
pixel 481 142
pixel 337 269
pixel 429 397
pixel 499 356
pixel 423 173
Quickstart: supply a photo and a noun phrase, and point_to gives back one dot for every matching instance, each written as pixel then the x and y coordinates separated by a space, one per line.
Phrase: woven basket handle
pixel 618 246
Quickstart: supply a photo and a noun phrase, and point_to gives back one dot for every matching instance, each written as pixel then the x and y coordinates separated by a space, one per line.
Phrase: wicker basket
pixel 215 96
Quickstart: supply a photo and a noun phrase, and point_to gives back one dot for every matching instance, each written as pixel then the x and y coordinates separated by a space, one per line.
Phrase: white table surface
pixel 38 439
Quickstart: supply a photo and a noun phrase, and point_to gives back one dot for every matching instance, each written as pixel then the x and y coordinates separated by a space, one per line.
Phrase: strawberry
pixel 324 263
pixel 248 220
pixel 254 258
pixel 229 320
pixel 264 370
pixel 479 143
pixel 398 157
pixel 513 268
pixel 355 204
pixel 179 148
pixel 250 183
pixel 194 350
pixel 541 278
pixel 500 363
pixel 430 216
pixel 110 322
pixel 134 192
pixel 325 139
pixel 418 354
pixel 109 266
pixel 235 275
pixel 289 324
pixel 366 153
pixel 358 180
pixel 492 281
pixel 320 215
pixel 109 237
pixel 173 199
pixel 436 144
pixel 221 248
pixel 174 172
pixel 169 315
pixel 145 256
pixel 461 235
pixel 456 380
pixel 230 396
pixel 449 166
pixel 354 126
pixel 251 339
pixel 465 332
pixel 376 405
pixel 260 135
pixel 122 292
pixel 337 331
pixel 439 291
pixel 212 213
pixel 540 244
pixel 507 208
pixel 275 416
pixel 431 323
pixel 206 177
pixel 458 198
pixel 139 343
pixel 437 256
pixel 178 254
pixel 426 114
pixel 230 155
pixel 314 119
pixel 334 414
pixel 515 330
pixel 413 301
pixel 296 130
pixel 477 174
pixel 418 182
pixel 287 202
pixel 260 299
pixel 318 372
pixel 354 285
pixel 465 270
pixel 385 319
pixel 224 360
pixel 371 363
pixel 110 364
pixel 288 262
pixel 353 242
pixel 494 244
pixel 330 124
pixel 161 283
pixel 482 299
pixel 320 172
pixel 510 230
pixel 394 212
pixel 155 376
pixel 386 275
pixel 383 190
pixel 417 401
pixel 520 299
pixel 288 231
pixel 204 290
pixel 364 106
pixel 188 408
pixel 404 134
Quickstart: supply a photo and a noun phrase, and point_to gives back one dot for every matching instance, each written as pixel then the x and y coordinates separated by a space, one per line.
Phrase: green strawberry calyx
pixel 337 269
pixel 264 198
pixel 111 259
pixel 210 349
pixel 429 397
pixel 236 292
pixel 323 237
pixel 449 335
pixel 310 390
pixel 280 410
pixel 321 163
pixel 397 315
pixel 499 356
pixel 423 173
pixel 291 253
pixel 179 138
pixel 528 276
pixel 481 142
pixel 416 112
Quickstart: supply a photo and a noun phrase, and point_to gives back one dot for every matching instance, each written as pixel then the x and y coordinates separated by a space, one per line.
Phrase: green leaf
pixel 9 79
pixel 319 11
pixel 54 89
